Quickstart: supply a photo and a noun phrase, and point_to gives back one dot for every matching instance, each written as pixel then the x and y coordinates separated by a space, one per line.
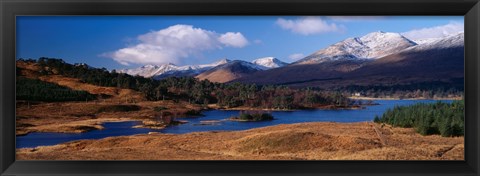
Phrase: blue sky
pixel 116 42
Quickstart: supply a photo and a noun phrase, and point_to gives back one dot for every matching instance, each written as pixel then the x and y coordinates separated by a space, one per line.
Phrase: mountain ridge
pixel 168 70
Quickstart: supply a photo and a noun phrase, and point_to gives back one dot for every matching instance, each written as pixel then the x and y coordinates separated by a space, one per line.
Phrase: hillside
pixel 303 73
pixel 32 71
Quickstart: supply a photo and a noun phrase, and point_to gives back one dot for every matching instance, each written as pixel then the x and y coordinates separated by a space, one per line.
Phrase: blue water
pixel 195 124
pixel 111 129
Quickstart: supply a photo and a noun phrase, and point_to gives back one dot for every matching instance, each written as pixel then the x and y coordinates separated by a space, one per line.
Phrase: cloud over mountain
pixel 296 56
pixel 233 39
pixel 175 44
pixel 309 25
pixel 356 18
pixel 435 32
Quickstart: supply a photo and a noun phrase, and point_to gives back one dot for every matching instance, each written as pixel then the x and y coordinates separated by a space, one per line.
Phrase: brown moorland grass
pixel 303 141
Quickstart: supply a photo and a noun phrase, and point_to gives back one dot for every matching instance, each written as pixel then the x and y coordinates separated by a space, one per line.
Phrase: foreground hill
pixel 305 141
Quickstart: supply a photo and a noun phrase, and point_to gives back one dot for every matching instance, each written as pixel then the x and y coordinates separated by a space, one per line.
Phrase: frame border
pixel 12 8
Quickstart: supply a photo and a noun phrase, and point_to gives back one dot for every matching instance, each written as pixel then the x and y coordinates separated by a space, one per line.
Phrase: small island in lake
pixel 252 116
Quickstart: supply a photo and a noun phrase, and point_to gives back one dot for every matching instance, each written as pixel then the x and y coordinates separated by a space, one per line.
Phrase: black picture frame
pixel 11 8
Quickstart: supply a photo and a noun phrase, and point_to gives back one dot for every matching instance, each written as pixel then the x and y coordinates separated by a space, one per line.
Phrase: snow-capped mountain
pixel 371 46
pixel 441 59
pixel 157 70
pixel 269 62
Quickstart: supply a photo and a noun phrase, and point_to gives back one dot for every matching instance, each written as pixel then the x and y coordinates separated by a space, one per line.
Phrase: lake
pixel 215 120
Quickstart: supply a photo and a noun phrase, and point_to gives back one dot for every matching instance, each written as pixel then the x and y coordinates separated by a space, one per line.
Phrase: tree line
pixel 446 119
pixel 428 90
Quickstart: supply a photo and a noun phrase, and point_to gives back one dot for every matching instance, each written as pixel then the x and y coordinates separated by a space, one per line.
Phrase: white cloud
pixel 356 18
pixel 309 25
pixel 296 56
pixel 435 32
pixel 233 39
pixel 175 44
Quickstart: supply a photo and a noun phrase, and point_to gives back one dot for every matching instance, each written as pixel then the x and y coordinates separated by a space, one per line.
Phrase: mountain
pixel 165 70
pixel 230 71
pixel 438 60
pixel 269 62
pixel 371 46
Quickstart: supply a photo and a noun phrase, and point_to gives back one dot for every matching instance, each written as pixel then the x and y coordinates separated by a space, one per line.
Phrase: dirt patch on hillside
pixel 305 141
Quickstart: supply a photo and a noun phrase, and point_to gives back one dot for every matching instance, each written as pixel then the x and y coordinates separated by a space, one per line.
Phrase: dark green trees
pixel 446 119
pixel 253 116
pixel 37 90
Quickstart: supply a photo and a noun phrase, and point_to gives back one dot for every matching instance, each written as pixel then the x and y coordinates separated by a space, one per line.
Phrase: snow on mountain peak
pixel 244 64
pixel 454 40
pixel 269 62
pixel 371 46
pixel 220 62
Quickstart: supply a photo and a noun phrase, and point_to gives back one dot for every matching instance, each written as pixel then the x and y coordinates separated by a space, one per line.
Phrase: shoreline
pixel 83 126
pixel 373 98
